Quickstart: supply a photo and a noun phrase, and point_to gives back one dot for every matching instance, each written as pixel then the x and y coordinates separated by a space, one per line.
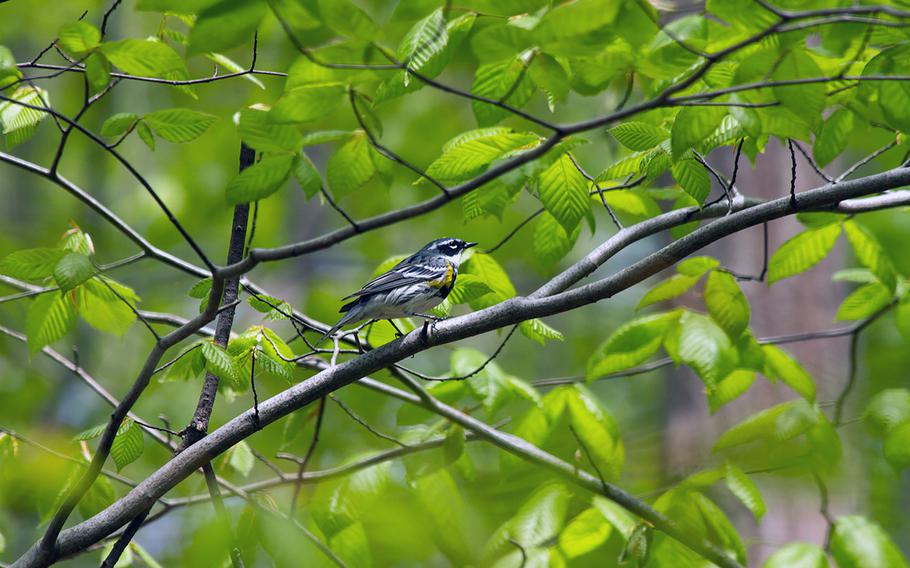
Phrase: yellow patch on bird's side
pixel 445 281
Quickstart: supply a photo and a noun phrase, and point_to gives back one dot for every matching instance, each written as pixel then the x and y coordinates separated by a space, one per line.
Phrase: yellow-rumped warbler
pixel 414 286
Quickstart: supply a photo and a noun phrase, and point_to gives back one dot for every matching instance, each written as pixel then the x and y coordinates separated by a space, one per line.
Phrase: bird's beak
pixel 469 245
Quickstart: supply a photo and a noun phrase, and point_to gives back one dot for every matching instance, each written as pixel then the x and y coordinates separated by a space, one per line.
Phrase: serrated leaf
pixel 805 101
pixel 307 176
pixel 103 310
pixel 91 433
pixel 745 490
pixel 597 431
pixel 863 302
pixel 346 18
pixel 219 363
pixel 888 409
pixel 797 555
pixel 128 444
pixel 639 135
pixel 693 178
pixel 504 81
pixel 258 132
pixel 551 242
pixel 832 139
pixel 178 124
pixel 241 458
pixel 200 289
pixel 697 265
pixel 584 533
pixel 468 287
pixel 630 345
pixel 726 303
pixel 471 153
pixel 672 287
pixel 78 37
pixel 705 347
pixel 493 275
pixel 692 126
pixel 225 24
pixel 536 330
pixel 118 124
pixel 49 318
pixel 731 387
pixel 20 123
pixel 307 103
pixel 802 252
pixel 31 264
pixel 859 543
pixel 870 253
pixel 260 180
pixel 564 193
pixel 149 58
pixel 351 166
pixel 72 270
pixel 233 67
pixel 789 371
pixel 776 424
pixel 897 446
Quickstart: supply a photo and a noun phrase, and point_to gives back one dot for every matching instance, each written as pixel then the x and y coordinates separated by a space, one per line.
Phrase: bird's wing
pixel 404 273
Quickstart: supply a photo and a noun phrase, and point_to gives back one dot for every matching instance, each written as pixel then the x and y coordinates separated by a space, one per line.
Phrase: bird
pixel 411 288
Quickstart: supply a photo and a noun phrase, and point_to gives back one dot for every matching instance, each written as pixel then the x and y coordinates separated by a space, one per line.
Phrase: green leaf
pixel 447 523
pixel 493 275
pixel 536 330
pixel 570 19
pixel 551 77
pixel 585 533
pixel 147 58
pixel 888 409
pixel 78 37
pixel 564 193
pixel 797 555
pixel 259 133
pixel 672 287
pixel 870 253
pixel 91 433
pixel 325 136
pixel 805 101
pixel 31 264
pixel 145 134
pixel 128 444
pixel 745 490
pixel 307 103
pixel 219 363
pixel 693 178
pixel 776 424
pixel 118 124
pixel 20 123
pixel 504 81
pixel 705 347
pixel 692 126
pixel 241 458
pixel 226 24
pixel 833 137
pixel 597 431
pixel 863 302
pixel 859 543
pixel 639 135
pixel 178 124
pixel 469 154
pixel 726 303
pixel 99 496
pixel 307 176
pixel 789 371
pixel 72 270
pixel 103 310
pixel 540 517
pixel 697 265
pixel 743 14
pixel 260 180
pixel 351 166
pixel 351 543
pixel 346 18
pixel 630 345
pixel 897 446
pixel 802 252
pixel 9 73
pixel 551 243
pixel 200 289
pixel 731 387
pixel 49 318
pixel 468 288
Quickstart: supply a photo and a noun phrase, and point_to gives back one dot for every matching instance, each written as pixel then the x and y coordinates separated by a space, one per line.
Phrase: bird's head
pixel 450 247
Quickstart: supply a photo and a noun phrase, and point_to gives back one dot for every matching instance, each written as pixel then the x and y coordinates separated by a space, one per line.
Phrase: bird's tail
pixel 352 315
